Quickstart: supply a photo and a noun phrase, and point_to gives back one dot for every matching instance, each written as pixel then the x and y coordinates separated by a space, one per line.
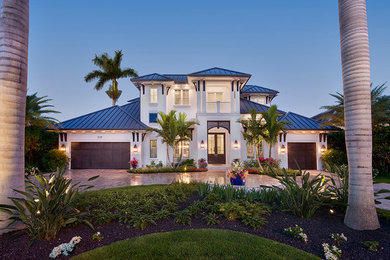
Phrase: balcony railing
pixel 218 107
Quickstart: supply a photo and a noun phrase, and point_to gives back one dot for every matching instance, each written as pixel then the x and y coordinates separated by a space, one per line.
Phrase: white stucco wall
pixel 104 136
pixel 301 137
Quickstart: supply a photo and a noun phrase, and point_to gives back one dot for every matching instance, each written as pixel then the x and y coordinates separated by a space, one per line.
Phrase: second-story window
pixel 153 95
pixel 182 96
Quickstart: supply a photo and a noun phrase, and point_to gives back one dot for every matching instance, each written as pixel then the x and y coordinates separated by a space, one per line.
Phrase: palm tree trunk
pixel 169 160
pixel 269 151
pixel 14 22
pixel 114 89
pixel 355 58
pixel 257 151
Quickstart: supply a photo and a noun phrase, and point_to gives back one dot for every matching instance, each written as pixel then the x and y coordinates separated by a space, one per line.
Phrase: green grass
pixel 384 213
pixel 197 244
pixel 385 178
pixel 382 191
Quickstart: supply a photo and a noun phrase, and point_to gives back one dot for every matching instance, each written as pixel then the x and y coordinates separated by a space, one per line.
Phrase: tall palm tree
pixel 253 132
pixel 184 130
pixel 272 127
pixel 167 130
pixel 36 107
pixel 110 70
pixel 380 108
pixel 355 58
pixel 14 25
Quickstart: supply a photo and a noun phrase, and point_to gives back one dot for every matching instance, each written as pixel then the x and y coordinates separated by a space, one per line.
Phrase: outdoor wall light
pixel 283 149
pixel 63 148
pixel 235 145
pixel 323 149
pixel 202 146
pixel 135 148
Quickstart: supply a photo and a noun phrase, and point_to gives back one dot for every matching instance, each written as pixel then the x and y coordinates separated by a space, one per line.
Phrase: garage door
pixel 100 155
pixel 302 153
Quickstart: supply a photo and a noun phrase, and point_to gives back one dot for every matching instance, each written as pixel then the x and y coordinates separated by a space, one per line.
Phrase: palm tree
pixel 114 94
pixel 14 22
pixel 36 107
pixel 184 130
pixel 110 70
pixel 253 132
pixel 168 130
pixel 272 127
pixel 380 108
pixel 355 59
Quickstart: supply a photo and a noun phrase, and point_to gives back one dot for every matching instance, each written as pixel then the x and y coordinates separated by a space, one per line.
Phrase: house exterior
pixel 216 98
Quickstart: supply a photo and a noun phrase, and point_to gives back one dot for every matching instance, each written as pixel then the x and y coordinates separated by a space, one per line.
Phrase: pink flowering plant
pixel 269 161
pixel 237 170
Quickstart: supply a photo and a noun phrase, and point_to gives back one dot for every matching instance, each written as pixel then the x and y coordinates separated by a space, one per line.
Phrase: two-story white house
pixel 216 98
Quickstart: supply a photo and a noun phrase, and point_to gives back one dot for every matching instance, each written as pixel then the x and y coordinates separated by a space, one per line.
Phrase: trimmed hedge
pixel 278 172
pixel 166 169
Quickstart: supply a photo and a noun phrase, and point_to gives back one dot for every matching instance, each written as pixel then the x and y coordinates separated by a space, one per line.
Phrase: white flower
pixel 75 240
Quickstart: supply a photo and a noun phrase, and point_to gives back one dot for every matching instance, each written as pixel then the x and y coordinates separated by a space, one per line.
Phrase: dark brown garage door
pixel 302 153
pixel 100 155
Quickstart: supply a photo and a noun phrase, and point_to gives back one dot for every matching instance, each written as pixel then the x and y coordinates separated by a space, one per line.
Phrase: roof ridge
pixel 138 121
pixel 155 73
pixel 234 71
pixel 131 101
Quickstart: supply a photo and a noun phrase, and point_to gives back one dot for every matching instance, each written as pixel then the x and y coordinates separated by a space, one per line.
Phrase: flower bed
pixel 166 169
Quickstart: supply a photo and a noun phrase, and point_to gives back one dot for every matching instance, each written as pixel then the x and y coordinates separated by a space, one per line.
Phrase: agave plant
pixel 46 206
pixel 303 197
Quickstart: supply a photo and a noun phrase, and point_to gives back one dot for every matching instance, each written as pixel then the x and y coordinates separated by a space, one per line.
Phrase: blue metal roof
pixel 113 118
pixel 154 76
pixel 299 122
pixel 258 89
pixel 246 105
pixel 178 78
pixel 219 72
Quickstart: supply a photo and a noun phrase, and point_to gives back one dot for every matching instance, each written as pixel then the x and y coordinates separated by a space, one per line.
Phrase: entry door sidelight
pixel 216 149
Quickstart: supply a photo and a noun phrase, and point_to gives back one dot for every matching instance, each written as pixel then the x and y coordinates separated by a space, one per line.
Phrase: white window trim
pixel 150 146
pixel 181 98
pixel 150 95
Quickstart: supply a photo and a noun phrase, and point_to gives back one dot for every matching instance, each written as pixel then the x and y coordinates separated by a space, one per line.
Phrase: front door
pixel 216 148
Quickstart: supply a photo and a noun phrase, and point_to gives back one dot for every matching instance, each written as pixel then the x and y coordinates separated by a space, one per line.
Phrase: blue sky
pixel 290 46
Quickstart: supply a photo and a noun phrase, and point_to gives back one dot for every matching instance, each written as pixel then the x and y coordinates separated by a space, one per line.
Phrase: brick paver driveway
pixel 119 178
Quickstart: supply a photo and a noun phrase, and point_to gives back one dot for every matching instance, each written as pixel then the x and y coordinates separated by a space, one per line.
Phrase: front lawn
pixel 384 178
pixel 197 244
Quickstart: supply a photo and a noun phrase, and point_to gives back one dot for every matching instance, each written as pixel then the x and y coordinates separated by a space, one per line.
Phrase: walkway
pixel 381 197
pixel 119 178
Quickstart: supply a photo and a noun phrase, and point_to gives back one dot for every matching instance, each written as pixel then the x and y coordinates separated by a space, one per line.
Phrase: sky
pixel 290 46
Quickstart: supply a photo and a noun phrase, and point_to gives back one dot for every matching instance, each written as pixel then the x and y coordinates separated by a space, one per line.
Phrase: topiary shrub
pixel 54 159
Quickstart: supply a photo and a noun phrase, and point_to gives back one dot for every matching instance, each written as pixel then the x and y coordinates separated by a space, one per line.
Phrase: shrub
pixel 212 219
pixel 332 158
pixel 134 163
pixel 280 172
pixel 250 164
pixel 189 163
pixel 371 246
pixel 54 159
pixel 338 189
pixel 154 165
pixel 183 217
pixel 303 198
pixel 266 162
pixel 164 169
pixel 46 207
pixel 296 232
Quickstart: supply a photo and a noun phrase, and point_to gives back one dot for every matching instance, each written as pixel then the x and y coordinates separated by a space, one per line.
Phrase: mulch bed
pixel 317 229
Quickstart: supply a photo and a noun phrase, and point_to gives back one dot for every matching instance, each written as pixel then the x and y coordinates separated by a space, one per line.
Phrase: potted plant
pixel 134 163
pixel 237 174
pixel 202 163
